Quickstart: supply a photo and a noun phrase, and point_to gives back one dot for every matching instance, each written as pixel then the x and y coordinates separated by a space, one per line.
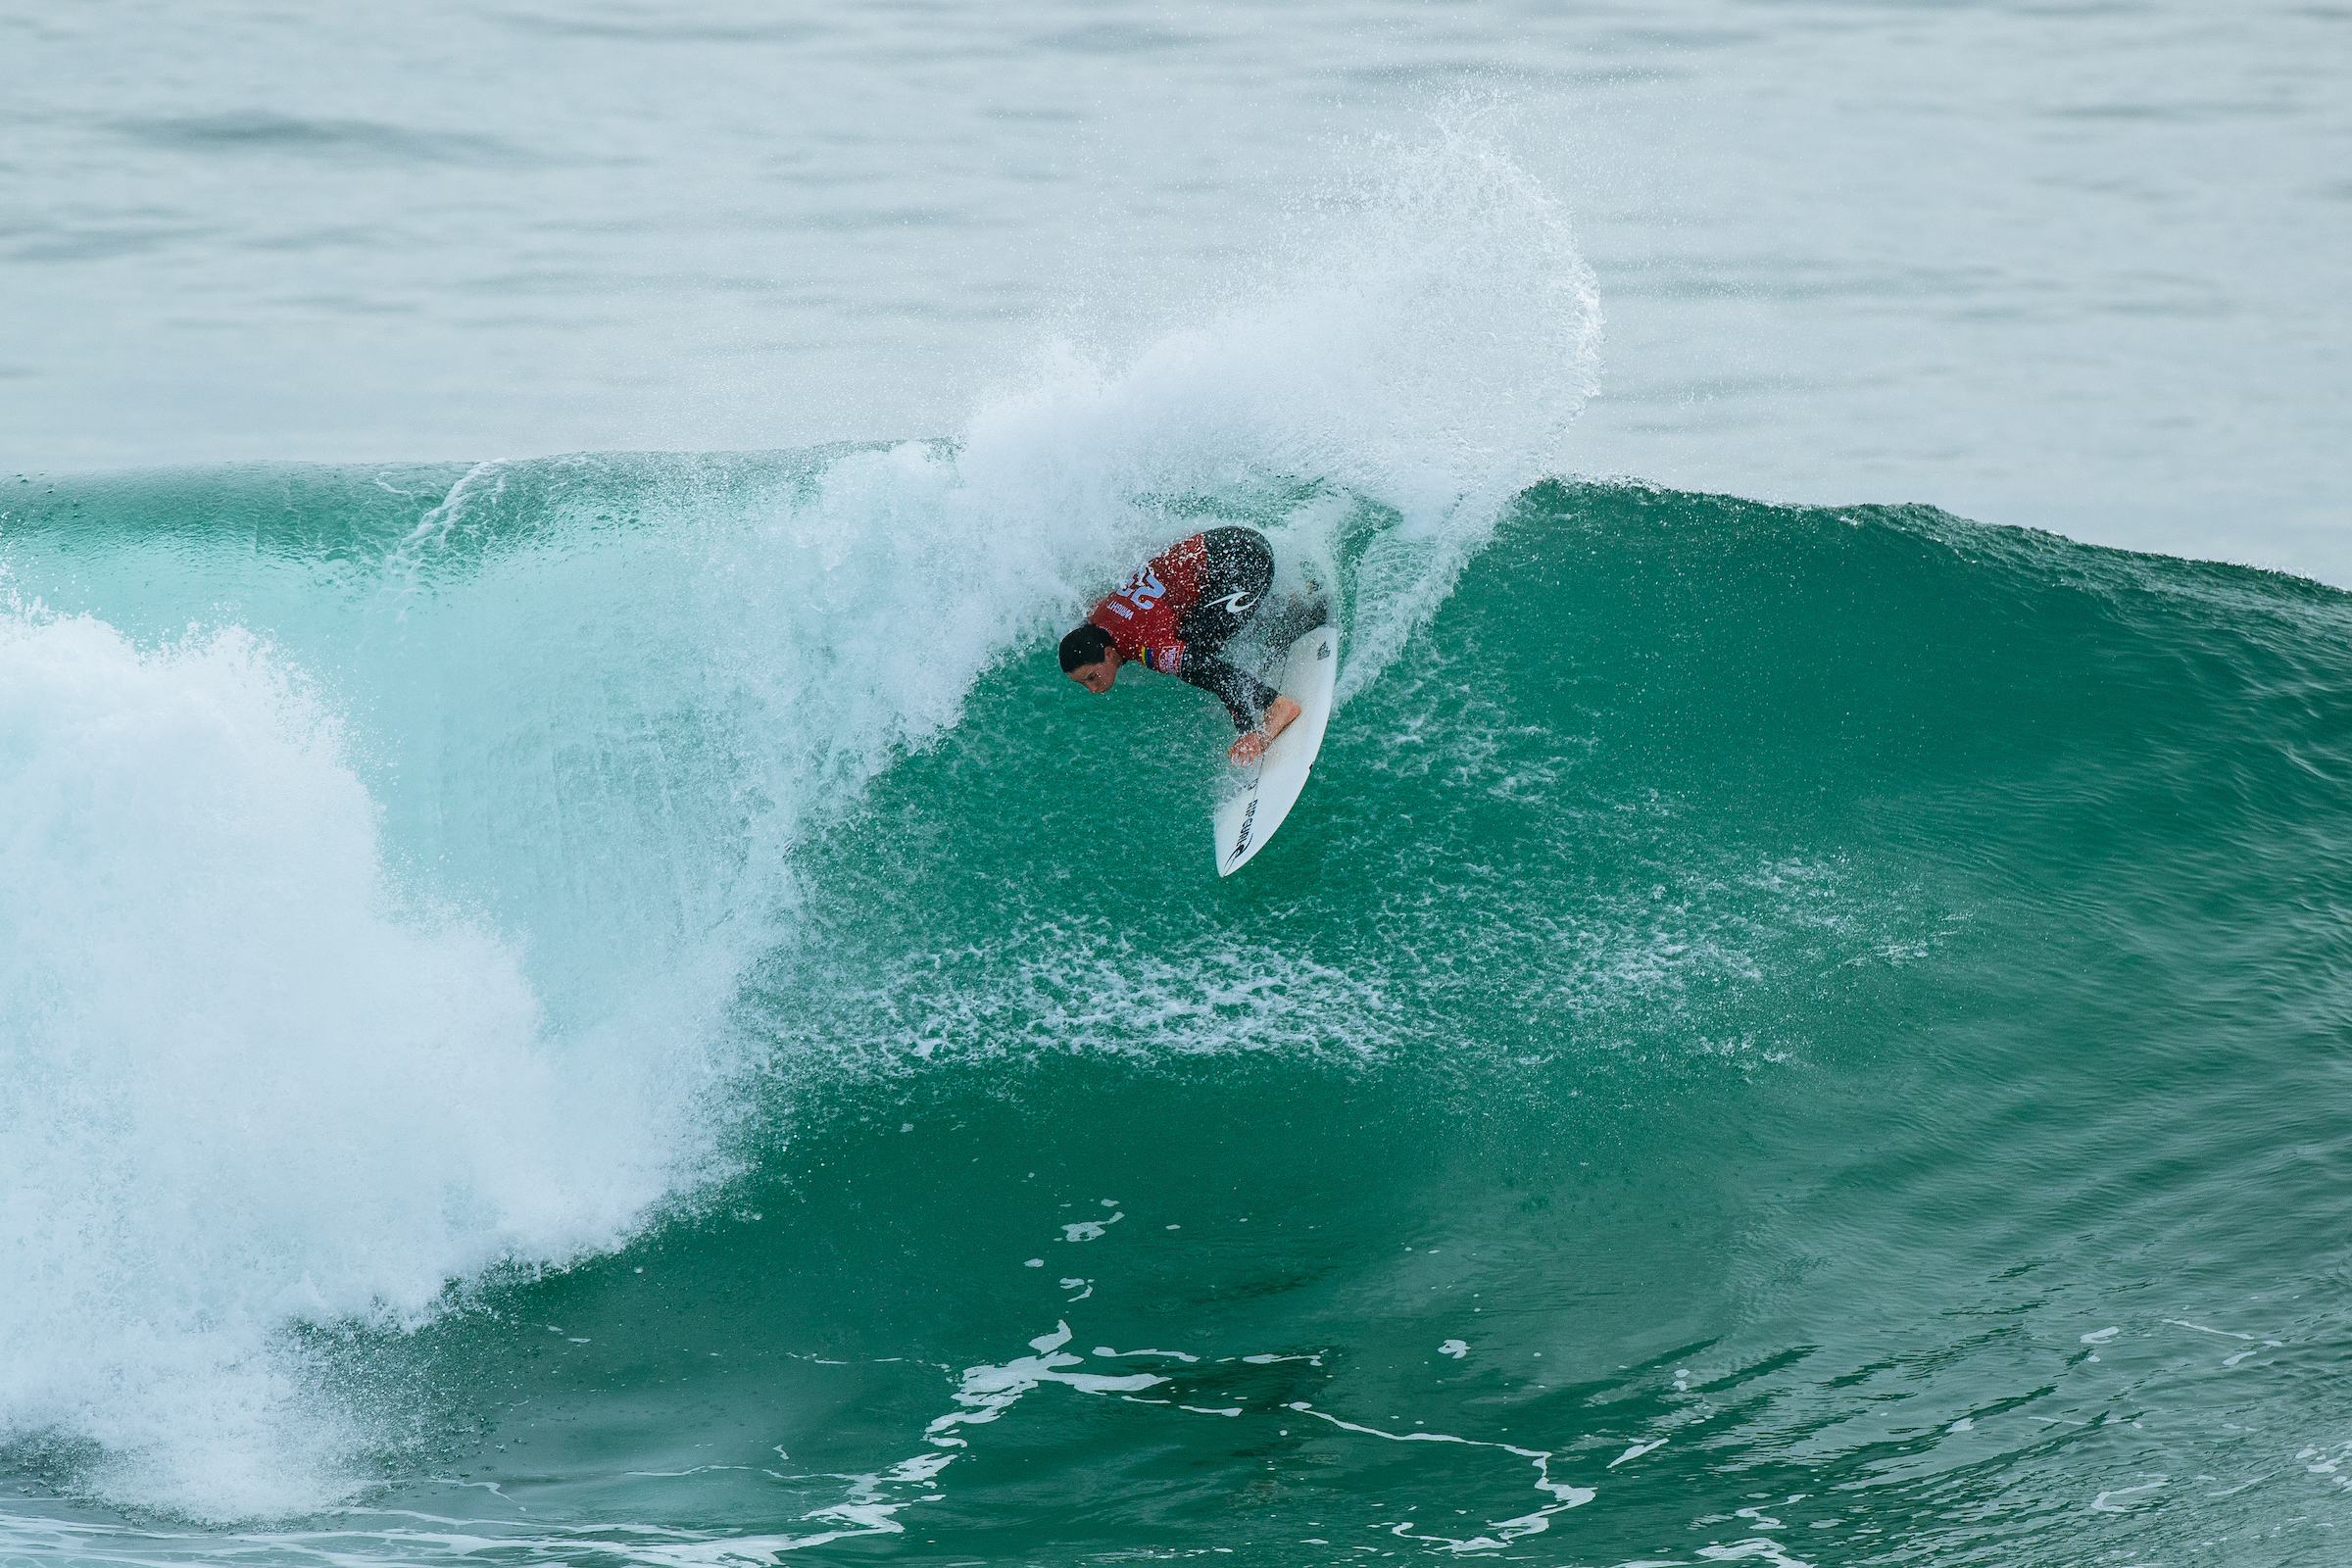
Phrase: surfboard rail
pixel 1247 818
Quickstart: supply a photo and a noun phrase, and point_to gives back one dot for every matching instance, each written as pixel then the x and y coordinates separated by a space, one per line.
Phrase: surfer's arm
pixel 1244 695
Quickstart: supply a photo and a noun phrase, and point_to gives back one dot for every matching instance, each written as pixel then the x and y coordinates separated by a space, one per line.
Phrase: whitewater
pixel 391 848
pixel 616 1009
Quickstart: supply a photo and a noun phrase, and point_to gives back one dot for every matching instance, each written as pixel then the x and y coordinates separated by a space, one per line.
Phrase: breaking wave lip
pixel 315 1005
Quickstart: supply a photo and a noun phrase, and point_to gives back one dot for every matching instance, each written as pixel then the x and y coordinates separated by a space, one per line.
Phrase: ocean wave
pixel 397 839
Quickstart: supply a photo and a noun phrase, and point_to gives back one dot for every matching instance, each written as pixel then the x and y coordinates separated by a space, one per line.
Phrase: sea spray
pixel 1420 358
pixel 396 929
pixel 246 1087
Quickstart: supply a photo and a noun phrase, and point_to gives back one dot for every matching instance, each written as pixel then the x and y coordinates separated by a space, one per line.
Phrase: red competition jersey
pixel 1143 616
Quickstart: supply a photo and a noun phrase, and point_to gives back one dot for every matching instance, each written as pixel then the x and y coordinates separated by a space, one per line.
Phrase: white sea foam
pixel 259 1074
pixel 1435 335
pixel 243 1087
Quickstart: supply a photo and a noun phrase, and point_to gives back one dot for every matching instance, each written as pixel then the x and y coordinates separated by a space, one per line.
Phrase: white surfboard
pixel 1248 817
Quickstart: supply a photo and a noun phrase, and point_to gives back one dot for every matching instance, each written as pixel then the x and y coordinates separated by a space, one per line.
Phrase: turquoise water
pixel 1777 1034
pixel 615 1009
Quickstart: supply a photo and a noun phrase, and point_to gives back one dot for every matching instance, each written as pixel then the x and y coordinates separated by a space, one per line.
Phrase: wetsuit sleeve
pixel 1245 696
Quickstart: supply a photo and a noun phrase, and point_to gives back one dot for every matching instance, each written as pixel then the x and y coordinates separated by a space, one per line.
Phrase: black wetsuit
pixel 1240 573
pixel 1178 613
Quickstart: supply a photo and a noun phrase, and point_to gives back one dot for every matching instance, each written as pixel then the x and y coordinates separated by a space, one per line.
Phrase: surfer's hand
pixel 1252 746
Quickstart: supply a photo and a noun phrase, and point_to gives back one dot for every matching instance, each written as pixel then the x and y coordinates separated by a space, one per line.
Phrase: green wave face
pixel 609 1024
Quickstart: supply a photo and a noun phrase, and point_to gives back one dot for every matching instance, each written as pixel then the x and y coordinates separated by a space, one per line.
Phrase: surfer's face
pixel 1096 676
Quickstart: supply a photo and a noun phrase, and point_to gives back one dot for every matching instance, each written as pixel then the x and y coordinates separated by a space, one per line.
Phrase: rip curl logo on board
pixel 1243 842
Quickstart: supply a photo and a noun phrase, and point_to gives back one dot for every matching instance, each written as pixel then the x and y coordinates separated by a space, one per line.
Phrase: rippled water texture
pixel 2073 266
pixel 1795 1034
pixel 616 1009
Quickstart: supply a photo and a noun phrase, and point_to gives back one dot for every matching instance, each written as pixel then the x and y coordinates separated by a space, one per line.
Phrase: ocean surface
pixel 2073 266
pixel 613 1009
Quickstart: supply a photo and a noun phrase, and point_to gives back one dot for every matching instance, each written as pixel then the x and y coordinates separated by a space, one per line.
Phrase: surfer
pixel 1176 616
